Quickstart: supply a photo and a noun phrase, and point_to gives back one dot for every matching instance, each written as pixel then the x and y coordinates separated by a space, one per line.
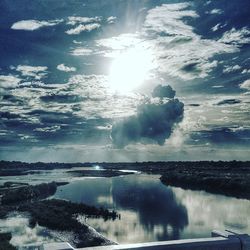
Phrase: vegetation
pixel 60 214
pixel 94 173
pixel 53 214
pixel 227 178
pixel 28 193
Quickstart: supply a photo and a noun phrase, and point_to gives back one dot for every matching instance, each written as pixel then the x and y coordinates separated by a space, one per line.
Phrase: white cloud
pixel 167 18
pixel 81 51
pixel 77 42
pixel 246 71
pixel 80 28
pixel 111 19
pixel 218 26
pixel 51 129
pixel 180 51
pixel 236 37
pixel 31 25
pixel 65 68
pixel 245 85
pixel 229 69
pixel 73 20
pixel 9 81
pixel 37 72
pixel 118 43
pixel 215 12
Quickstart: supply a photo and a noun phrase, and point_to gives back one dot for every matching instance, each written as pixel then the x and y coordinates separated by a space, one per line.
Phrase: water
pixel 150 211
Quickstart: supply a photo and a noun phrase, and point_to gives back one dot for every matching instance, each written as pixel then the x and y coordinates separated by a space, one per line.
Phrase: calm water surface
pixel 150 211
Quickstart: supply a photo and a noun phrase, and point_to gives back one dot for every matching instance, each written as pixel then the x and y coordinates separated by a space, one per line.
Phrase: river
pixel 151 211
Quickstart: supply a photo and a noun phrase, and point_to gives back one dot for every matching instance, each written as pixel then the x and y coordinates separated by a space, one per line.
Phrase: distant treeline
pixel 153 164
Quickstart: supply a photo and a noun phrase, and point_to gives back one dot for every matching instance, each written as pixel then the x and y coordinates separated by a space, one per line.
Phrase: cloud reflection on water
pixel 150 211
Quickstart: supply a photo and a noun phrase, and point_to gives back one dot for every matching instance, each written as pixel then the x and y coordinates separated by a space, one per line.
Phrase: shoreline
pixel 57 216
pixel 231 178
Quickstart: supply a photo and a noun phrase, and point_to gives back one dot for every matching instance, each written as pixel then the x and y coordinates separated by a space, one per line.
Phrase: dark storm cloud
pixel 153 122
pixel 228 102
pixel 8 115
pixel 225 136
pixel 191 67
pixel 163 91
pixel 62 98
pixel 194 105
pixel 9 99
pixel 49 128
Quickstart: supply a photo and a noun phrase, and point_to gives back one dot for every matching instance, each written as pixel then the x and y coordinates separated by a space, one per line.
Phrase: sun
pixel 130 69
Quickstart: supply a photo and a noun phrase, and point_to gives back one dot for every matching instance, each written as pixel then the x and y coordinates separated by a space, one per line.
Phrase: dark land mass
pixel 27 193
pixel 53 214
pixel 11 168
pixel 97 173
pixel 227 178
pixel 230 182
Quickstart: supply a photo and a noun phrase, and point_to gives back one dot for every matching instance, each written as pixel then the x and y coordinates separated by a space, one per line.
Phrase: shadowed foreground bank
pixel 59 216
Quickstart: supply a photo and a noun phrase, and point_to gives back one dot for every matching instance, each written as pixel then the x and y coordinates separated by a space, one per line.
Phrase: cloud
pixel 225 135
pixel 111 19
pixel 245 85
pixel 51 129
pixel 8 115
pixel 218 26
pixel 245 71
pixel 60 98
pixel 229 102
pixel 81 51
pixel 167 18
pixel 9 81
pixel 65 68
pixel 72 112
pixel 236 37
pixel 83 27
pixel 73 20
pixel 177 50
pixel 163 91
pixel 215 12
pixel 121 42
pixel 31 25
pixel 229 69
pixel 180 52
pixel 153 122
pixel 37 72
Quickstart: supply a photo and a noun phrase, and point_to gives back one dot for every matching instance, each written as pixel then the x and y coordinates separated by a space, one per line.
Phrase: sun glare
pixel 130 69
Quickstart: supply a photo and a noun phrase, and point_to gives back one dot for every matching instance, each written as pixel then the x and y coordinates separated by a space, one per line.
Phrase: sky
pixel 124 80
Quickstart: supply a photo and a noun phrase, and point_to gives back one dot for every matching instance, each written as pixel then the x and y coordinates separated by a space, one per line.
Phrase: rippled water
pixel 150 211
